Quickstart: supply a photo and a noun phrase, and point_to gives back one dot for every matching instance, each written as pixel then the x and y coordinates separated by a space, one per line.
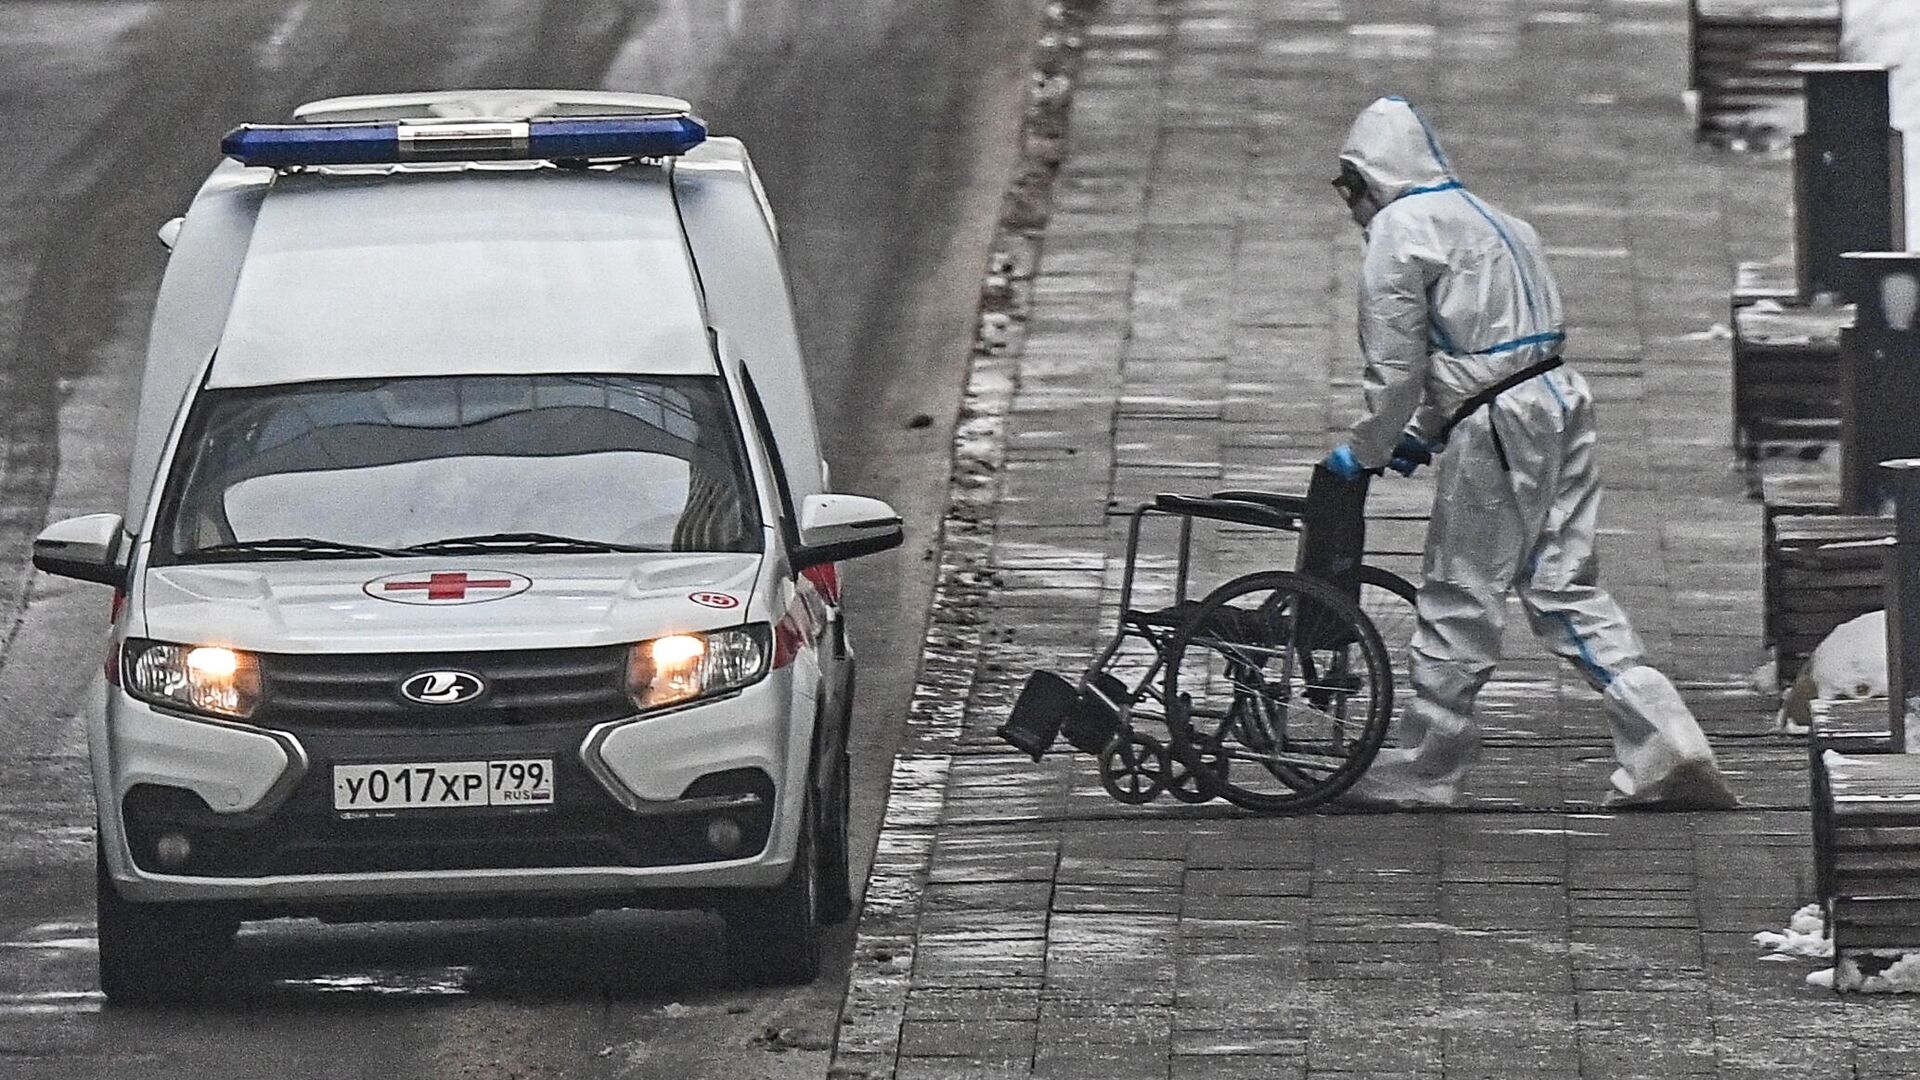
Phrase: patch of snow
pixel 1803 936
pixel 1870 971
pixel 1716 332
pixel 1837 763
pixel 83 944
pixel 1886 32
pixel 1550 832
pixel 1879 972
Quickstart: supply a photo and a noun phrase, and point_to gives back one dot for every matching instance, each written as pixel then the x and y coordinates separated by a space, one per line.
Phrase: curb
pixel 867 1038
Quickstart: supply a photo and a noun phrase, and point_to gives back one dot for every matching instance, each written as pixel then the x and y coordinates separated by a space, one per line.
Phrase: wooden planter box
pixel 1743 52
pixel 1821 570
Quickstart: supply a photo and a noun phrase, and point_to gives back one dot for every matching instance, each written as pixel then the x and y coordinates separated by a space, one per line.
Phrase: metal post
pixel 1903 599
pixel 1845 170
pixel 1879 374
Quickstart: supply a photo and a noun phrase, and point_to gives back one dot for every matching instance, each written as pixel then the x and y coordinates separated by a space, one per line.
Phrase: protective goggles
pixel 1351 185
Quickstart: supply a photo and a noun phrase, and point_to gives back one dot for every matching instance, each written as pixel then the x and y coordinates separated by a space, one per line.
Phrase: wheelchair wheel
pixel 1134 768
pixel 1281 677
pixel 1386 599
pixel 1195 781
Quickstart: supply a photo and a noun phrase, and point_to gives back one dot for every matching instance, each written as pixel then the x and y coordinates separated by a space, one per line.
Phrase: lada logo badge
pixel 442 687
pixel 448 587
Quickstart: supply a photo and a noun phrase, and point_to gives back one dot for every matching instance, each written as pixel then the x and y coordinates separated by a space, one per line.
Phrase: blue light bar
pixel 287 145
pixel 614 136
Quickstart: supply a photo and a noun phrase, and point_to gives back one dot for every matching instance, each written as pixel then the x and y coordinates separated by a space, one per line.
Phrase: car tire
pixel 836 848
pixel 152 954
pixel 773 936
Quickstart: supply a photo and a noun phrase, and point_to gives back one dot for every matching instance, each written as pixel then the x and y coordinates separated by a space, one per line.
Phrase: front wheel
pixel 1285 690
pixel 152 954
pixel 836 847
pixel 773 937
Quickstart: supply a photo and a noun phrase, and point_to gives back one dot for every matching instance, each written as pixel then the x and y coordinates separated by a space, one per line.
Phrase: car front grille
pixel 362 690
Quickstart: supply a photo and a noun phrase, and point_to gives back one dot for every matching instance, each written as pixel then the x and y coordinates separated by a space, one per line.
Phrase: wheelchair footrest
pixel 1095 717
pixel 1043 705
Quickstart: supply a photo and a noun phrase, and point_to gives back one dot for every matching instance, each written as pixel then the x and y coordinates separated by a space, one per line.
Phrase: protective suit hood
pixel 1395 150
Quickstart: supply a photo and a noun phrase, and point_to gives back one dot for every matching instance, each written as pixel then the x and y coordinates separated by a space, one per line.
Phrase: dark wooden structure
pixel 1786 382
pixel 1821 570
pixel 1817 400
pixel 1849 191
pixel 1791 324
pixel 1880 380
pixel 1867 849
pixel 1743 53
pixel 1850 727
pixel 1865 786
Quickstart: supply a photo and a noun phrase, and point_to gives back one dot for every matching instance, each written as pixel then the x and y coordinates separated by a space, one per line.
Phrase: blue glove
pixel 1343 464
pixel 1410 453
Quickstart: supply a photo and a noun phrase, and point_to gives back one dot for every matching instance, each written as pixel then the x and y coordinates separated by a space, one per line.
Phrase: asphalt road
pixel 884 130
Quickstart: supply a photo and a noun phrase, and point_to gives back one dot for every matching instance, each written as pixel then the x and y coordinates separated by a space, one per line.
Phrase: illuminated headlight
pixel 199 678
pixel 682 667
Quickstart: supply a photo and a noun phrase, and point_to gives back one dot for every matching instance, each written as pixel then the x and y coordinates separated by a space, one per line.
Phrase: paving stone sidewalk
pixel 1190 327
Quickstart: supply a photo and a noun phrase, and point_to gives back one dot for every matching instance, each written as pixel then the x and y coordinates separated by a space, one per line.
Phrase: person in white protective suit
pixel 1461 329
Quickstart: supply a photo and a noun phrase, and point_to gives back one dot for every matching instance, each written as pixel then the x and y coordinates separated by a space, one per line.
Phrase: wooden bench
pixel 1787 495
pixel 1864 785
pixel 1786 382
pixel 1865 797
pixel 1820 571
pixel 1756 281
pixel 1849 727
pixel 1872 844
pixel 1798 493
pixel 1742 55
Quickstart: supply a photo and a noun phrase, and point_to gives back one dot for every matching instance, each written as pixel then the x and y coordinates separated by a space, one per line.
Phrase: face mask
pixel 1353 191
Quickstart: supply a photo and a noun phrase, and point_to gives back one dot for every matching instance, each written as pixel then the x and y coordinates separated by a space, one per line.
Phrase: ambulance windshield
pixel 609 462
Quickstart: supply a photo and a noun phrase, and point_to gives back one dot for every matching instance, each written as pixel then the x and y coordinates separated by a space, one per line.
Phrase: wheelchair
pixel 1273 691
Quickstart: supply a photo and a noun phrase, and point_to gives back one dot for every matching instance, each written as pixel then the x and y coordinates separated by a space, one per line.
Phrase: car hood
pixel 407 605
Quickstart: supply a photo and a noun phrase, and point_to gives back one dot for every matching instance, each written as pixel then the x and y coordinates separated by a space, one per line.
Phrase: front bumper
pixel 632 799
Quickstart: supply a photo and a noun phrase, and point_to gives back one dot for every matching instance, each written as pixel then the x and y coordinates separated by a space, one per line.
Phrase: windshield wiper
pixel 521 541
pixel 288 547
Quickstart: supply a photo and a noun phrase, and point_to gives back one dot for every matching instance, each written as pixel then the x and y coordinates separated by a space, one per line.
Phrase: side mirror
pixel 86 548
pixel 170 232
pixel 836 527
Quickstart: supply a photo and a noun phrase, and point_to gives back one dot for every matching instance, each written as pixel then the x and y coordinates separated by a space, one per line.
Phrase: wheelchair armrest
pixel 1218 509
pixel 1295 505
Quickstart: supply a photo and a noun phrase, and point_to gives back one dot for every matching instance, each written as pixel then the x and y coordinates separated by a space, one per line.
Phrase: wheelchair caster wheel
pixel 1193 781
pixel 1134 768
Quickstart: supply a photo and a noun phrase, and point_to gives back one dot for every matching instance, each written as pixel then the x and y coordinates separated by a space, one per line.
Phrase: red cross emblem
pixel 447 587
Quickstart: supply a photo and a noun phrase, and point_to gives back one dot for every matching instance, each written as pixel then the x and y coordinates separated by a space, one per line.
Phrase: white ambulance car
pixel 479 557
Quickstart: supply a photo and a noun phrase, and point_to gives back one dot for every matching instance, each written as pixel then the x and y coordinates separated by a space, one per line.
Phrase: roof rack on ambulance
pixel 642 135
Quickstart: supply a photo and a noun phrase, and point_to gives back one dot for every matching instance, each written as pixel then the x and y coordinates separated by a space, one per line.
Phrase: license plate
pixel 433 784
